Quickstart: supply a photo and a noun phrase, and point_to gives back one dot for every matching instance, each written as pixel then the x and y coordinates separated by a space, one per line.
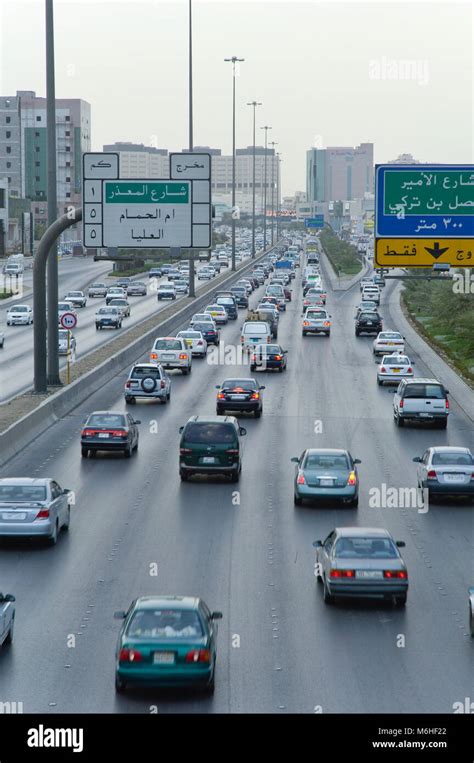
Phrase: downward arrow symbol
pixel 436 251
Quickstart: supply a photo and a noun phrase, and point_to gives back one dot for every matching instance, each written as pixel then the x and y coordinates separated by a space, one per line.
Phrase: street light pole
pixel 52 327
pixel 278 197
pixel 233 60
pixel 273 143
pixel 266 128
pixel 191 290
pixel 254 104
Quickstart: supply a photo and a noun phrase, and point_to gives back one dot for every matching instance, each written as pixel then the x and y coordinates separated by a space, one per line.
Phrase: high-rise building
pixel 10 144
pixel 222 177
pixel 140 161
pixel 339 172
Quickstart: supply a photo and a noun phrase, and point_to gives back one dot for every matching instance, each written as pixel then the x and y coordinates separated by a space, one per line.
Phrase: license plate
pixel 326 482
pixel 396 370
pixel 454 478
pixel 104 434
pixel 369 323
pixel 167 356
pixel 369 574
pixel 209 460
pixel 163 658
pixel 389 344
pixel 189 342
pixel 425 415
pixel 237 397
pixel 13 515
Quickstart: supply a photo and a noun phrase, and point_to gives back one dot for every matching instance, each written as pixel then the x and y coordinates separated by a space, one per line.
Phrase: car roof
pixel 146 365
pixel 212 420
pixel 423 380
pixel 362 532
pixel 168 601
pixel 25 480
pixel 108 413
pixel 327 451
pixel 449 449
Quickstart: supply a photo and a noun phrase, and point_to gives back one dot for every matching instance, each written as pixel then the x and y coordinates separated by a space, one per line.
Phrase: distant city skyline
pixel 376 78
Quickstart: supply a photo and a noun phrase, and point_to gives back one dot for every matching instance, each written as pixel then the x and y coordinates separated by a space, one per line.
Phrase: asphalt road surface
pixel 246 549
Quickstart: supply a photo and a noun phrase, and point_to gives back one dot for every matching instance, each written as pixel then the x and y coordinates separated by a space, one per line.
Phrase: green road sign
pixel 121 192
pixel 428 192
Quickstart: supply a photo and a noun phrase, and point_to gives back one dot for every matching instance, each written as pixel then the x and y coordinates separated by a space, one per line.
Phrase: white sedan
pixel 194 340
pixel 19 315
pixel 217 313
pixel 392 368
pixel 388 342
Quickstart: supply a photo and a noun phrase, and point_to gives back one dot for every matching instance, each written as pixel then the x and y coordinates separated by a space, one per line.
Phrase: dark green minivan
pixel 211 445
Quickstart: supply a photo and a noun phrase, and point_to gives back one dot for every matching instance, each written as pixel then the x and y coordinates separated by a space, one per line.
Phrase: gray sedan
pixel 361 562
pixel 446 471
pixel 33 507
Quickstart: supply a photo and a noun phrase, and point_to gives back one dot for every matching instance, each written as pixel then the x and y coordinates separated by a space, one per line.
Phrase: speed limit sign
pixel 68 321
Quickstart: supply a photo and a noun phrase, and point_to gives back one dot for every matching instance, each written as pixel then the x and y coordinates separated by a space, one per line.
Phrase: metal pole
pixel 278 198
pixel 234 60
pixel 266 128
pixel 254 104
pixel 53 337
pixel 45 249
pixel 192 287
pixel 273 143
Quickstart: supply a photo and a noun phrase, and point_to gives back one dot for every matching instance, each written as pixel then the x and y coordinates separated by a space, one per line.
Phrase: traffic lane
pixel 83 560
pixel 370 435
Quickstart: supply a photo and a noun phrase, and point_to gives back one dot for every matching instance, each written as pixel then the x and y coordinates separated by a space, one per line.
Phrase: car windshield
pixel 268 349
pixel 395 360
pixel 370 316
pixel 239 384
pixel 200 432
pixel 140 372
pixel 254 327
pixel 98 286
pixel 64 306
pixel 451 458
pixel 75 293
pixel 326 461
pixel 366 548
pixel 165 624
pixel 214 308
pixel 119 302
pixel 190 334
pixel 19 309
pixel 316 314
pixel 108 311
pixel 202 317
pixel 225 301
pixel 22 493
pixel 167 344
pixel 108 420
pixel 424 391
pixel 390 335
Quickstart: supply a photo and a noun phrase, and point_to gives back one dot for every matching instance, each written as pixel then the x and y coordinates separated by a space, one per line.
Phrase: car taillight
pixel 198 655
pixel 255 396
pixel 277 357
pixel 409 370
pixel 300 480
pixel 182 356
pixel 162 384
pixel 472 476
pixel 395 574
pixel 242 339
pixel 352 480
pixel 305 323
pixel 43 514
pixel 130 655
pixel 327 323
pixel 400 404
pixel 342 574
pixel 447 404
pixel 432 474
pixel 128 385
pixel 220 396
pixel 200 341
pixel 184 451
pixel 232 451
pixel 88 433
pixel 153 356
pixel 118 433
pixel 268 339
pixel 254 357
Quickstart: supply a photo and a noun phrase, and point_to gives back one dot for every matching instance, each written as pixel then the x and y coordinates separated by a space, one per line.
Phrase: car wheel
pixel 9 638
pixel 281 368
pixel 68 519
pixel 235 476
pixel 443 424
pixel 184 371
pixel 304 333
pixel 258 414
pixel 97 327
pixel 84 452
pixel 327 598
pixel 210 688
pixel 128 451
pixel 184 476
pixel 253 368
pixel 379 381
pixel 355 502
pixel 357 333
pixel 400 601
pixel 53 538
pixel 298 501
pixel 399 421
pixel 168 396
pixel 120 685
pixel 164 400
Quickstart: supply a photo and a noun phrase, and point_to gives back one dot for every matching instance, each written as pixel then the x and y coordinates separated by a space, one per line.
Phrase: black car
pixel 240 395
pixel 155 273
pixel 368 323
pixel 240 296
pixel 210 334
pixel 230 306
pixel 109 430
pixel 268 356
pixel 123 282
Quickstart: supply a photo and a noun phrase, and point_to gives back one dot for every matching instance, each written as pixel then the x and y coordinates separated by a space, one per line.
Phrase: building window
pixel 37 134
pixel 68 164
pixel 9 164
pixel 8 120
pixel 7 103
pixel 38 119
pixel 67 133
pixel 36 210
pixel 37 164
pixel 68 148
pixel 68 119
pixel 8 135
pixel 9 149
pixel 68 180
pixel 9 180
pixel 37 178
pixel 68 195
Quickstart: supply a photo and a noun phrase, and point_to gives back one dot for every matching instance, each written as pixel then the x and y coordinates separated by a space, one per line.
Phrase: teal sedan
pixel 167 641
pixel 326 474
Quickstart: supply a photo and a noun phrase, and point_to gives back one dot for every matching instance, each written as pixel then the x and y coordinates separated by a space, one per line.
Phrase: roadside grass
pixel 343 256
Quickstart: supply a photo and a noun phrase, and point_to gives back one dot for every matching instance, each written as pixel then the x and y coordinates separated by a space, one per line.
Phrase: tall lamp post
pixel 191 291
pixel 233 61
pixel 273 143
pixel 254 104
pixel 278 197
pixel 266 128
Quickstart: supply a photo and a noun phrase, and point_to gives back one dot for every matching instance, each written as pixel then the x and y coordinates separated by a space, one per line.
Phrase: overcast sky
pixel 328 73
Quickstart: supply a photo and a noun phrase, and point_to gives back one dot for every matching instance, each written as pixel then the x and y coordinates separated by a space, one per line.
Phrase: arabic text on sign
pixel 119 192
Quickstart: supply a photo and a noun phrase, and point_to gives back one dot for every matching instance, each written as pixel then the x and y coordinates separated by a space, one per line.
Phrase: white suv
pixel 172 352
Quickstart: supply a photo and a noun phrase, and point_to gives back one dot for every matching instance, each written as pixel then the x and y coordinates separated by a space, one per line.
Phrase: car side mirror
pixel 447 391
pixel 295 460
pixel 242 431
pixel 317 544
pixel 357 461
pixel 417 460
pixel 262 386
pixel 137 421
pixel 120 615
pixel 9 597
pixel 218 386
pixel 391 391
pixel 401 543
pixel 216 616
pixel 181 430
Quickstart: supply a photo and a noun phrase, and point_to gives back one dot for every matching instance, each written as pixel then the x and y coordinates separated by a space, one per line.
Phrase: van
pixel 421 400
pixel 211 445
pixel 255 332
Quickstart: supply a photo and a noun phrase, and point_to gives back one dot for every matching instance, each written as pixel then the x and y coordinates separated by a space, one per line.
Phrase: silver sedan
pixel 446 471
pixel 34 507
pixel 361 562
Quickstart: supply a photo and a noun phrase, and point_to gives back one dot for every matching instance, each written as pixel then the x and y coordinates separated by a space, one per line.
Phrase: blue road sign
pixel 314 222
pixel 424 201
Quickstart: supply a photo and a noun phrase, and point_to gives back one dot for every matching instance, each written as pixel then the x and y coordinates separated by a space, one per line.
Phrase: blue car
pixel 326 474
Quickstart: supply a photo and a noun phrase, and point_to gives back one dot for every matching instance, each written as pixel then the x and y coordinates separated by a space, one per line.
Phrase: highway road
pixel 16 371
pixel 246 549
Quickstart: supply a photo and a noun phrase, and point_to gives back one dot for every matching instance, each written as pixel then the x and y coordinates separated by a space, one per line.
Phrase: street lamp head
pixel 254 103
pixel 234 59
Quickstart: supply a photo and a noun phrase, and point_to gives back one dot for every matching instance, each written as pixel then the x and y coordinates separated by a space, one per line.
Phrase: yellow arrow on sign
pixel 424 252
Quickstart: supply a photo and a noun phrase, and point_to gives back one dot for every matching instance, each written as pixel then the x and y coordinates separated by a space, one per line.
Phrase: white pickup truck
pixel 7 618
